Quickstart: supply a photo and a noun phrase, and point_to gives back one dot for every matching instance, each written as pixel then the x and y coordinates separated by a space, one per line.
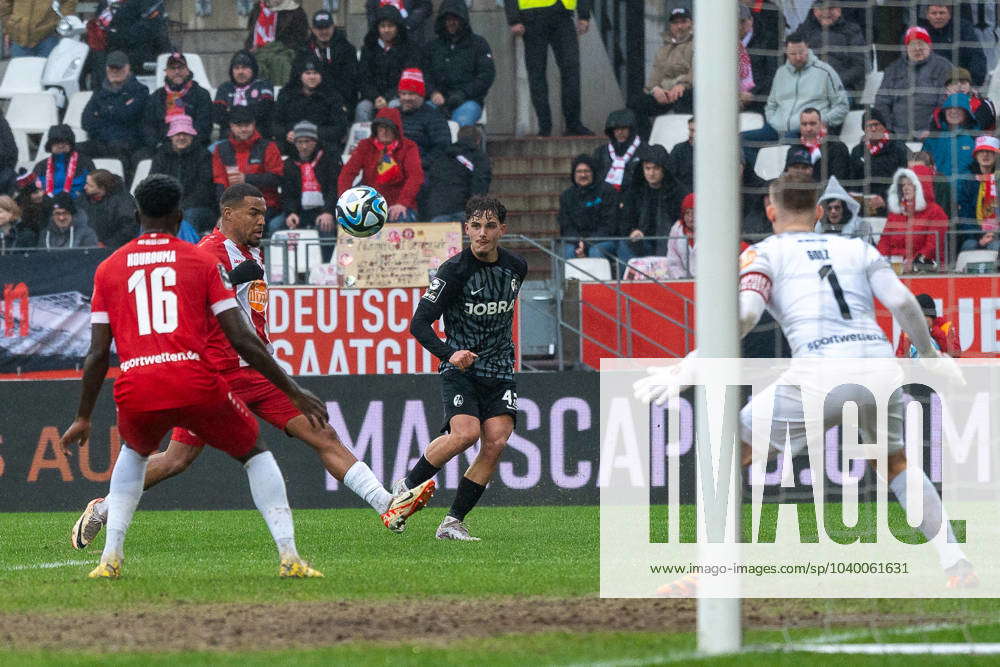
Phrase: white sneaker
pixel 453 529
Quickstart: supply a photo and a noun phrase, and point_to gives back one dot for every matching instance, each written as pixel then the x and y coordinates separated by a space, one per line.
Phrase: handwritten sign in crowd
pixel 400 255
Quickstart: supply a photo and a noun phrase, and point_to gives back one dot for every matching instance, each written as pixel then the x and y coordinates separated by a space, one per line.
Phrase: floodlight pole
pixel 717 227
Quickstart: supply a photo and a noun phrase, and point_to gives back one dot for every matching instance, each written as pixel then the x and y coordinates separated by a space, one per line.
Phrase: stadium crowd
pixel 921 155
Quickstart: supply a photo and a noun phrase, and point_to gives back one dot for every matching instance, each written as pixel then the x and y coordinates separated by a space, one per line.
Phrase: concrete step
pixel 564 147
pixel 521 184
pixel 539 262
pixel 531 202
pixel 559 166
pixel 533 223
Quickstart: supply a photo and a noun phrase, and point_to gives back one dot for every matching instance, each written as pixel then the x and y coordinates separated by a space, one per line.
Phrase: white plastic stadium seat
pixel 669 130
pixel 141 172
pixel 915 146
pixel 195 64
pixel 303 245
pixel 993 91
pixel 23 149
pixel 357 132
pixel 23 75
pixel 588 269
pixel 967 258
pixel 74 110
pixel 770 162
pixel 876 225
pixel 32 112
pixel 872 83
pixel 277 89
pixel 482 118
pixel 750 120
pixel 852 133
pixel 453 126
pixel 112 165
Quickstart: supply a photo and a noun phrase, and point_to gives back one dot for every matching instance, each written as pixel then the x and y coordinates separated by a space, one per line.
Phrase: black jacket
pixel 602 158
pixel 115 116
pixel 765 51
pixel 874 172
pixel 113 217
pixel 339 60
pixel 139 28
pixel 459 172
pixel 834 160
pixel 380 69
pixel 460 67
pixel 427 128
pixel 8 147
pixel 327 172
pixel 417 14
pixel 587 212
pixel 970 57
pixel 651 210
pixel 831 45
pixel 322 107
pixel 197 104
pixel 682 167
pixel 259 97
pixel 193 168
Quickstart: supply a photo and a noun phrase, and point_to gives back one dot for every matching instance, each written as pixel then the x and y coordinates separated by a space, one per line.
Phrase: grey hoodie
pixel 77 235
pixel 854 225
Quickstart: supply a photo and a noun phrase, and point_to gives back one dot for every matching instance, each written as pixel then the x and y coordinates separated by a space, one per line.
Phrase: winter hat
pixel 305 130
pixel 871 113
pixel 413 81
pixel 116 60
pixel 959 74
pixel 679 14
pixel 987 143
pixel 64 200
pixel 241 115
pixel 798 155
pixel 916 32
pixel 244 59
pixel 176 57
pixel 927 304
pixel 582 158
pixel 60 133
pixel 181 123
pixel 322 19
pixel 687 204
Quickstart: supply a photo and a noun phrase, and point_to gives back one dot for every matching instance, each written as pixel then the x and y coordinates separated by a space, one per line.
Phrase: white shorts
pixel 788 426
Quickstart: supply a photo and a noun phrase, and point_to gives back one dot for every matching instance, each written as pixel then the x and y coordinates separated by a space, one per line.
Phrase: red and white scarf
pixel 312 192
pixel 815 147
pixel 173 105
pixel 616 174
pixel 744 68
pixel 398 4
pixel 240 95
pixel 875 147
pixel 50 174
pixel 104 18
pixel 266 29
pixel 986 202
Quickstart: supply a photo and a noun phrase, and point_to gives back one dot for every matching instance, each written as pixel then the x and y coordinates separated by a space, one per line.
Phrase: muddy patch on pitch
pixel 233 627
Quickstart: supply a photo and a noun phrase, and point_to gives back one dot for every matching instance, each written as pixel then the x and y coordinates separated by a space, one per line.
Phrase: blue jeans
pixel 628 249
pixel 467 113
pixel 40 50
pixel 605 249
pixel 973 244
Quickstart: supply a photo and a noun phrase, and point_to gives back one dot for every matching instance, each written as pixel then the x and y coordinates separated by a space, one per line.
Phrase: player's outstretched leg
pixel 953 561
pixel 267 487
pixel 126 489
pixel 175 460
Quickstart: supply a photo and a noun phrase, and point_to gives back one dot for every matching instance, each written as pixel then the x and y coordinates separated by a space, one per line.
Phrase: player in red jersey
pixel 158 298
pixel 236 244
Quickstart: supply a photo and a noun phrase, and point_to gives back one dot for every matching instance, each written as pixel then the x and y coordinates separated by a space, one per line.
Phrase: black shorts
pixel 482 398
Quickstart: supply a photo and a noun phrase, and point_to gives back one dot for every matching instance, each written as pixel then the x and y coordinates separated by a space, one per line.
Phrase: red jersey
pixel 251 297
pixel 160 295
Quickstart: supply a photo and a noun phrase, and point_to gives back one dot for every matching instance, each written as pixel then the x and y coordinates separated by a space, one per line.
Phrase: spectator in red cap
pixel 913 86
pixel 977 198
pixel 180 94
pixel 422 122
pixel 680 247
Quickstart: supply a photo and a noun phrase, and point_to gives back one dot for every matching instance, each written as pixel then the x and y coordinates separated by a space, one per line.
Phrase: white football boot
pixel 453 529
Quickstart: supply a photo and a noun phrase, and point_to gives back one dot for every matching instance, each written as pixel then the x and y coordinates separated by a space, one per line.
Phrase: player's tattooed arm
pixel 250 348
pixel 95 369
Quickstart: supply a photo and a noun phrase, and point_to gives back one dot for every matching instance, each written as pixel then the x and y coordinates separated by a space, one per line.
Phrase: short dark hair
pixel 235 194
pixel 158 195
pixel 479 204
pixel 796 38
pixel 795 193
pixel 812 110
pixel 470 134
pixel 105 180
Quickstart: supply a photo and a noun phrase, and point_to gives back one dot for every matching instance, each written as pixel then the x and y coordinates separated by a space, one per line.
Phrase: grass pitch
pixel 201 588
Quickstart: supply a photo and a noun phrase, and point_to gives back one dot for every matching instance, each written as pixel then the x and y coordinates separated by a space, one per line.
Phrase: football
pixel 362 211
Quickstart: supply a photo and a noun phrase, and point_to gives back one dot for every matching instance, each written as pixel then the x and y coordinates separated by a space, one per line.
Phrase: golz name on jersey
pixel 489 307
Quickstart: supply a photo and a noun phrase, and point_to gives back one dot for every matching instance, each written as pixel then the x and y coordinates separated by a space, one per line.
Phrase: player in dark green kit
pixel 475 291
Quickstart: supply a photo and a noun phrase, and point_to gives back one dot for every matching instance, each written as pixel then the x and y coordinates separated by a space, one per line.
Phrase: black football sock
pixel 421 472
pixel 468 495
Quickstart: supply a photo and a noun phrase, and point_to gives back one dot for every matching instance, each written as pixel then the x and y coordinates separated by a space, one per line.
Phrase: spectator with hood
pixel 649 205
pixel 248 157
pixel 977 198
pixel 244 88
pixel 681 245
pixel 390 163
pixel 916 225
pixel 459 172
pixel 952 138
pixel 307 97
pixel 459 65
pixel 876 159
pixel 385 53
pixel 112 117
pixel 336 56
pixel 841 214
pixel 309 186
pixel 939 22
pixel 617 161
pixel 180 94
pixel 415 13
pixel 109 209
pixel 66 229
pixel 278 30
pixel 65 169
pixel 585 212
pixel 983 108
pixel 190 163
